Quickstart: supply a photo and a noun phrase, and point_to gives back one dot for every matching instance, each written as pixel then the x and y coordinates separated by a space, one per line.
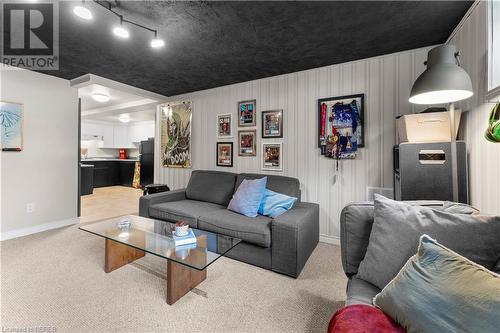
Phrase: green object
pixel 493 131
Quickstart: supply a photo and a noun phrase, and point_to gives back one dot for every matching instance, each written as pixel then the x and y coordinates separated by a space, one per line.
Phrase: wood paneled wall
pixel 385 80
pixel 471 39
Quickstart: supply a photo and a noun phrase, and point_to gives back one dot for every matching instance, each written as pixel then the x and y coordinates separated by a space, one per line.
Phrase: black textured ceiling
pixel 210 44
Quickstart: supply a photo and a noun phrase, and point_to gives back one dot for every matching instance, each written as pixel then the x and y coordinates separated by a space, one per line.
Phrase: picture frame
pixel 272 124
pixel 224 157
pixel 247 112
pixel 341 124
pixel 272 156
pixel 247 143
pixel 175 134
pixel 225 126
pixel 12 123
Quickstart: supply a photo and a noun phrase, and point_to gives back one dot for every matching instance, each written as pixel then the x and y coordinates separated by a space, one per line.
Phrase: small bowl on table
pixel 181 228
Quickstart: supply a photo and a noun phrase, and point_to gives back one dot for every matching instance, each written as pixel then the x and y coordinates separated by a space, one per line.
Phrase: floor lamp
pixel 444 82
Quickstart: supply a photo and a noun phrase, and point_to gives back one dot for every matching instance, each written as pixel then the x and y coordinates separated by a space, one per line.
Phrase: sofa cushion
pixel 186 210
pixel 360 291
pixel 397 227
pixel 438 290
pixel 247 198
pixel 281 184
pixel 211 186
pixel 255 230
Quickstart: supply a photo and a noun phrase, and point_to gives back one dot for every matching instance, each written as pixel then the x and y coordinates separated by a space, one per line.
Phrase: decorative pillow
pixel 274 204
pixel 438 290
pixel 397 227
pixel 246 200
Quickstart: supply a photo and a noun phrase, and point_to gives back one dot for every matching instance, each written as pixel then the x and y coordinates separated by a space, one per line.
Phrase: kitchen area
pixel 117 145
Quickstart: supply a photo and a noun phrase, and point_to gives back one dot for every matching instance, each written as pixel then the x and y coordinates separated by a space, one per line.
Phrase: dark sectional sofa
pixel 282 244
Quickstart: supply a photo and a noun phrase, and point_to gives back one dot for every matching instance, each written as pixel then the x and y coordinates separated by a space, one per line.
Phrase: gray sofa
pixel 355 226
pixel 282 244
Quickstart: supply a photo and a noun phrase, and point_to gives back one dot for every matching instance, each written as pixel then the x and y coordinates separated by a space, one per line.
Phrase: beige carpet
pixel 56 278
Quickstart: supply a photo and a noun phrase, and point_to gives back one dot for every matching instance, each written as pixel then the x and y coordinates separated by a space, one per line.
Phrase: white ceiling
pixel 138 108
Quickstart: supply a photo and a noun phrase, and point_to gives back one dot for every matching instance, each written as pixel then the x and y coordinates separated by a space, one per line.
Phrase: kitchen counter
pixel 109 160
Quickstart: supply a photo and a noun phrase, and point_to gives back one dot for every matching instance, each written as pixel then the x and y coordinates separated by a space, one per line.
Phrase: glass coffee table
pixel 186 264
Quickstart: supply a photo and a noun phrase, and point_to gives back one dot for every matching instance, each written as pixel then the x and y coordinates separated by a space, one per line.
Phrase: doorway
pixel 116 146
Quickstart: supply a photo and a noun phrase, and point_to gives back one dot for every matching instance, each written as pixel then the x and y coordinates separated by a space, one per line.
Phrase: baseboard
pixel 335 240
pixel 37 228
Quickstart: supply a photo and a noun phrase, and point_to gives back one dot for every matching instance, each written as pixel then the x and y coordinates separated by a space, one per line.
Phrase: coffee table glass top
pixel 155 237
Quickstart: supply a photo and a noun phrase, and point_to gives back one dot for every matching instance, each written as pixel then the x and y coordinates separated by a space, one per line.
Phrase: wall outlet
pixel 30 207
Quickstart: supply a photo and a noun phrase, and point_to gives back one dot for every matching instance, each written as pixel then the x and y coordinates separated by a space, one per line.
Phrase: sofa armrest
pixel 152 199
pixel 295 235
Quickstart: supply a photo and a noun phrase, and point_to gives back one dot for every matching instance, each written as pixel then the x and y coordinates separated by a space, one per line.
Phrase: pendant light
pixel 157 42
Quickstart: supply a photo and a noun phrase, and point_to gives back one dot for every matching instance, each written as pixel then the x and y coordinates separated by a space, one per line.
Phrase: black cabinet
pixel 126 172
pixel 111 173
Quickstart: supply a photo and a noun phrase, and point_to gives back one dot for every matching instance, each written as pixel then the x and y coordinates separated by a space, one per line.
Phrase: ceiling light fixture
pixel 83 12
pixel 124 118
pixel 157 42
pixel 121 32
pixel 100 97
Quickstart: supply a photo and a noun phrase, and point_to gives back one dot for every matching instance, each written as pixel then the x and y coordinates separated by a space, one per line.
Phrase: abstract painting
pixel 11 126
pixel 176 134
pixel 341 126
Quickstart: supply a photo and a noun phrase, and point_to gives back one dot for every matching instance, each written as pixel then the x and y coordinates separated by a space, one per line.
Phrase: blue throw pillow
pixel 247 198
pixel 274 204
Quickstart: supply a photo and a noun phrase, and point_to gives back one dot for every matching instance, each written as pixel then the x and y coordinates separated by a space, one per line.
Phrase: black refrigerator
pixel 147 159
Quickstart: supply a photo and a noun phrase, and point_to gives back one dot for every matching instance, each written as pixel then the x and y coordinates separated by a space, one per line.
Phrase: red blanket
pixel 362 318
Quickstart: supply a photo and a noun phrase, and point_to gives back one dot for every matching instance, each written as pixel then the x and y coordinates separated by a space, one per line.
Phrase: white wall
pixel 45 172
pixel 471 40
pixel 386 81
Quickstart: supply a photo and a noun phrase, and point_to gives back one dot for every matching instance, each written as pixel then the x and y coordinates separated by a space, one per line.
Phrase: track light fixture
pixel 83 12
pixel 119 31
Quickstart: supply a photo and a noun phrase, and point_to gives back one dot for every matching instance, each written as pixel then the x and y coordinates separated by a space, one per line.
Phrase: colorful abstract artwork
pixel 11 126
pixel 340 126
pixel 176 134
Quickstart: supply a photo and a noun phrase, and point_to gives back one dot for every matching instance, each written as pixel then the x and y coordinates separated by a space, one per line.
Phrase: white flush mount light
pixel 124 118
pixel 83 13
pixel 121 32
pixel 100 97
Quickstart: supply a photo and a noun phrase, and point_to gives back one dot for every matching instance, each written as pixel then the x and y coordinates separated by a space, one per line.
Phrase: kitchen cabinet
pixel 120 137
pixel 111 173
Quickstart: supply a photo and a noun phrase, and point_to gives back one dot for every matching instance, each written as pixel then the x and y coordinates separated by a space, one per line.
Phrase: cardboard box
pixel 427 127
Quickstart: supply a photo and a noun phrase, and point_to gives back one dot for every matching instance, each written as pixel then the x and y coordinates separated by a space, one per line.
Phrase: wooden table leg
pixel 118 255
pixel 181 279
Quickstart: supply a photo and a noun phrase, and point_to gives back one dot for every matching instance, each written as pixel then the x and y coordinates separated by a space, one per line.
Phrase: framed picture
pixel 341 125
pixel 225 154
pixel 225 126
pixel 272 124
pixel 247 145
pixel 11 120
pixel 272 156
pixel 247 113
pixel 176 134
